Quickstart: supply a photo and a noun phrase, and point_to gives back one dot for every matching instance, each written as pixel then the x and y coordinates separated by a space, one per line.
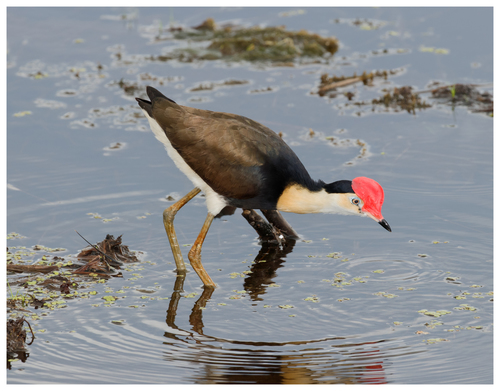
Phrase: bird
pixel 238 162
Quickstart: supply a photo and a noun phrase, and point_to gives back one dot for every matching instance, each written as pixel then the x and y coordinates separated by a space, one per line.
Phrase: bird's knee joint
pixel 168 215
pixel 194 253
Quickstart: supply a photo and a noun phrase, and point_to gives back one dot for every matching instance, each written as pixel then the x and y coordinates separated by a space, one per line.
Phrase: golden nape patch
pixel 297 199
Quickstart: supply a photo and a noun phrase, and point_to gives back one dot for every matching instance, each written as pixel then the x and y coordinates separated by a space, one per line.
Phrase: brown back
pixel 227 151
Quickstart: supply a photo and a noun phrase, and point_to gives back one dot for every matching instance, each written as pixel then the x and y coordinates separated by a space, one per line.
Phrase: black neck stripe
pixel 342 186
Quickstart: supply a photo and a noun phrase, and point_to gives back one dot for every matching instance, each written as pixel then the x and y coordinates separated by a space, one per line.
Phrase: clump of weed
pixel 235 43
pixel 402 98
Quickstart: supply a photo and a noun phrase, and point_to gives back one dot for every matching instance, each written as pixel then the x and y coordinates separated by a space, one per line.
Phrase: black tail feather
pixel 153 94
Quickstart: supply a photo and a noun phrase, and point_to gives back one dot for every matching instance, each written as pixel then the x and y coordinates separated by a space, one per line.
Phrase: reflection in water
pixel 267 261
pixel 16 355
pixel 267 366
pixel 220 360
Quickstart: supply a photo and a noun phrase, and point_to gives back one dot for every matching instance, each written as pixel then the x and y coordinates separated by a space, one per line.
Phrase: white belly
pixel 215 202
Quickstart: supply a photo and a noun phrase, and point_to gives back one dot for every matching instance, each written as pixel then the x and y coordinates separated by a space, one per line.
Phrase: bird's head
pixel 366 200
pixel 361 196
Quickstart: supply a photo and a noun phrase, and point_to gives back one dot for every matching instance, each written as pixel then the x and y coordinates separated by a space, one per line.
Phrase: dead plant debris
pixel 46 284
pixel 16 335
pixel 329 83
pixel 129 88
pixel 108 254
pixel 465 95
pixel 402 98
pixel 362 24
pixel 236 43
pixel 31 268
pixel 211 86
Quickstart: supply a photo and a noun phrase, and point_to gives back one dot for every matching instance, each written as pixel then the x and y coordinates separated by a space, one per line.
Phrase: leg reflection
pixel 270 258
pixel 195 319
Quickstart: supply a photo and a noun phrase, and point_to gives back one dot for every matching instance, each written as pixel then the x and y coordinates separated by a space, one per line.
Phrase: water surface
pixel 340 306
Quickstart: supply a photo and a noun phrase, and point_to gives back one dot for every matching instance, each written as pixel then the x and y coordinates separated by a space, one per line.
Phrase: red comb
pixel 371 193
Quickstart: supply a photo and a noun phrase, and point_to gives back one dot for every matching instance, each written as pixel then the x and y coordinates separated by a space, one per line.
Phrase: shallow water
pixel 342 305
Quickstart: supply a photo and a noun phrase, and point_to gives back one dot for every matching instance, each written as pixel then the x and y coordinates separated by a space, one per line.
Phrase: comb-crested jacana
pixel 238 162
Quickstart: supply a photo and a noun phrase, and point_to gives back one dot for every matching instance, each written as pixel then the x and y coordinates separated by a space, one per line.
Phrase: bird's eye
pixel 355 201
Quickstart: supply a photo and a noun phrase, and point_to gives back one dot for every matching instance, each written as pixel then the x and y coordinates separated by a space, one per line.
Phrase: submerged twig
pixel 31 268
pixel 331 83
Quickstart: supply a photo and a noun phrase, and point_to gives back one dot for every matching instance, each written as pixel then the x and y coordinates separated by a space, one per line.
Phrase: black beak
pixel 385 224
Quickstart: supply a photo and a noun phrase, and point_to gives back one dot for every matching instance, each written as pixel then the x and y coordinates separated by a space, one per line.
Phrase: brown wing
pixel 227 151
